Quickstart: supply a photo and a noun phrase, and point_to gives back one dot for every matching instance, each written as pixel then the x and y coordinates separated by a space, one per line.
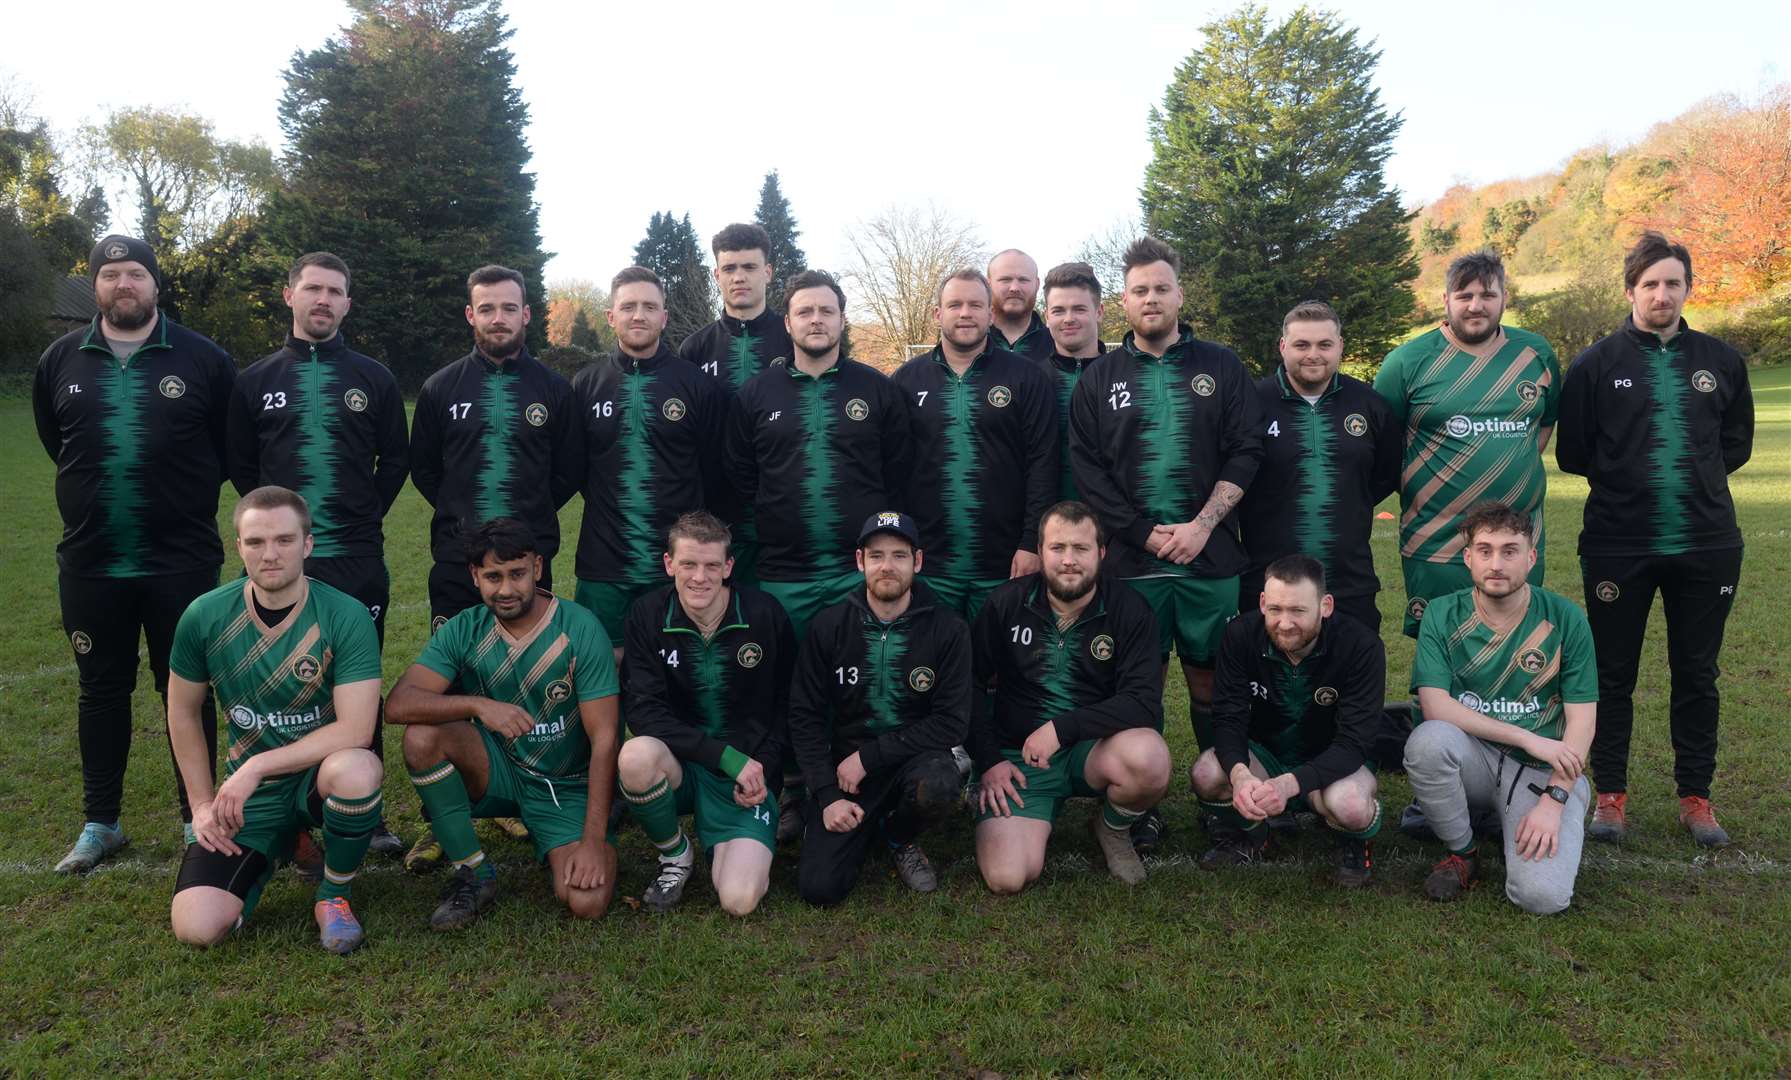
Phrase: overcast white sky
pixel 1028 119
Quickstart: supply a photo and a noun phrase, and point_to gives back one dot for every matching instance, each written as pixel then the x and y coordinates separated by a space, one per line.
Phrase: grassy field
pixel 1669 962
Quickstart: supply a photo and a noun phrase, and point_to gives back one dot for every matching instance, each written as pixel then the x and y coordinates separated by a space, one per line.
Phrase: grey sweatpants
pixel 1453 774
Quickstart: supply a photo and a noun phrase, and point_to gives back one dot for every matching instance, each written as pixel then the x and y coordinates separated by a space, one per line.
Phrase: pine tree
pixel 671 250
pixel 786 257
pixel 1266 174
pixel 407 154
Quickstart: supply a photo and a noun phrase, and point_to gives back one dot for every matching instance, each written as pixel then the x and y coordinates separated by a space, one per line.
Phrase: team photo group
pixel 824 611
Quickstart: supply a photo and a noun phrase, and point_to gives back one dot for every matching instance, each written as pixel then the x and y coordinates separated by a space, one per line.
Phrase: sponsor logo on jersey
pixel 1101 648
pixel 172 386
pixel 1203 384
pixel 856 409
pixel 749 655
pixel 244 717
pixel 1607 591
pixel 999 396
pixel 535 414
pixel 1528 392
pixel 921 678
pixel 248 719
pixel 306 667
pixel 1462 427
pixel 672 410
pixel 82 643
pixel 1703 381
pixel 1356 424
pixel 1416 608
pixel 117 251
pixel 558 690
pixel 1325 696
pixel 1499 706
pixel 1531 660
pixel 355 399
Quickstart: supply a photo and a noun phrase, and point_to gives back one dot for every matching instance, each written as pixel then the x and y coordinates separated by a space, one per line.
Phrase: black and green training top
pixel 1319 717
pixel 1034 342
pixel 1656 428
pixel 1325 466
pixel 1100 676
pixel 885 691
pixel 139 448
pixel 1150 437
pixel 985 459
pixel 495 440
pixel 652 438
pixel 813 456
pixel 1064 371
pixel 717 702
pixel 327 422
pixel 731 351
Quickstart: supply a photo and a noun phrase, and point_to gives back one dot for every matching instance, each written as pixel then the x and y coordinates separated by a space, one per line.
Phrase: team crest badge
pixel 1527 391
pixel 116 251
pixel 355 399
pixel 171 387
pixel 1416 608
pixel 1325 696
pixel 305 668
pixel 1203 385
pixel 243 717
pixel 921 678
pixel 1703 381
pixel 82 643
pixel 1356 424
pixel 749 655
pixel 1101 648
pixel 1472 701
pixel 559 690
pixel 1607 591
pixel 999 396
pixel 856 409
pixel 535 414
pixel 1531 660
pixel 437 623
pixel 672 410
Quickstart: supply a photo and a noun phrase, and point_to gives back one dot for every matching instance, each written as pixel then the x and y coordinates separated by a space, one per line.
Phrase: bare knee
pixel 587 903
pixel 354 773
pixel 201 925
pixel 638 763
pixel 422 745
pixel 1005 877
pixel 1210 781
pixel 1349 807
pixel 740 898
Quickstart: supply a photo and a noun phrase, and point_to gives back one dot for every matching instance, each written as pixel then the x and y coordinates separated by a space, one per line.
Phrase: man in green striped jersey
pixel 1477 402
pixel 294 664
pixel 530 732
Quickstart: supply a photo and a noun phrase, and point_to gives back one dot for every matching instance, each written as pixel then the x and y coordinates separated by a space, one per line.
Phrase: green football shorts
pixel 609 601
pixel 803 600
pixel 963 595
pixel 1065 776
pixel 553 810
pixel 1191 613
pixel 709 796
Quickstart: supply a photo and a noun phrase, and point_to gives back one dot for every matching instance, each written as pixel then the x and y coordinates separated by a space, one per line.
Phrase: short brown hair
pixel 742 236
pixel 1651 248
pixel 1073 275
pixel 492 274
pixel 969 273
pixel 699 526
pixel 1148 249
pixel 272 497
pixel 1072 512
pixel 635 275
pixel 1293 569
pixel 1484 267
pixel 1312 311
pixel 814 279
pixel 1496 517
pixel 322 259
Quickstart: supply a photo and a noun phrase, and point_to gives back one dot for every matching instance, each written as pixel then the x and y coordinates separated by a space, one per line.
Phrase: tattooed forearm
pixel 1225 496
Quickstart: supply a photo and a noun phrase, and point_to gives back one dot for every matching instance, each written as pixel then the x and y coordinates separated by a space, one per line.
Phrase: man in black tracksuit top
pixel 1297 706
pixel 132 409
pixel 709 668
pixel 881 695
pixel 652 437
pixel 1331 453
pixel 1014 292
pixel 1656 416
pixel 985 451
pixel 495 434
pixel 1073 316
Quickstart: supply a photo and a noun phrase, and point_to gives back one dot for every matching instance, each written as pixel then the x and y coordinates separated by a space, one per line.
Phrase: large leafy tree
pixel 671 250
pixel 1266 174
pixel 773 215
pixel 407 157
pixel 45 231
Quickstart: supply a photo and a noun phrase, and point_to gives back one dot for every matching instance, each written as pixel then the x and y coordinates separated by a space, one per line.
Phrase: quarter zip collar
pixel 756 325
pixel 157 339
pixel 1320 648
pixel 1077 364
pixel 1039 602
pixel 1288 393
pixel 921 599
pixel 1184 337
pixel 305 347
pixel 1648 339
pixel 508 367
pixel 938 357
pixel 1035 325
pixel 677 620
pixel 627 364
pixel 797 373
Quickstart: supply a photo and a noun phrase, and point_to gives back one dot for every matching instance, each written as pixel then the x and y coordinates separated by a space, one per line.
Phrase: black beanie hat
pixel 117 248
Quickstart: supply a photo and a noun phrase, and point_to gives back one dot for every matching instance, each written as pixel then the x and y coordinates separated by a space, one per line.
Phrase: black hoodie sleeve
pixel 1240 440
pixel 985 660
pixel 244 462
pixel 1576 421
pixel 394 445
pixel 569 463
pixel 1389 453
pixel 43 408
pixel 223 391
pixel 947 722
pixel 1231 698
pixel 897 440
pixel 1738 421
pixel 1137 699
pixel 740 459
pixel 1043 464
pixel 1360 713
pixel 776 747
pixel 811 714
pixel 426 446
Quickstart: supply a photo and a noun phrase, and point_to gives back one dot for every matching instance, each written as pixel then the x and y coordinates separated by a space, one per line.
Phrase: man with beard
pixel 1330 455
pixel 985 461
pixel 1297 701
pixel 1164 438
pixel 327 422
pixel 533 734
pixel 295 663
pixel 1506 678
pixel 1073 316
pixel 1014 287
pixel 133 410
pixel 880 697
pixel 1656 416
pixel 652 438
pixel 1078 707
pixel 1476 401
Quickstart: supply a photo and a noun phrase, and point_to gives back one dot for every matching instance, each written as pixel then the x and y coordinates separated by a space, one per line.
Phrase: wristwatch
pixel 1553 791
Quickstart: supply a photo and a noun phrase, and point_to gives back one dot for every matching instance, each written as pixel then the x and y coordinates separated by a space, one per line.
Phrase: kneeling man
pixel 1078 706
pixel 709 664
pixel 1506 679
pixel 533 735
pixel 295 666
pixel 1297 703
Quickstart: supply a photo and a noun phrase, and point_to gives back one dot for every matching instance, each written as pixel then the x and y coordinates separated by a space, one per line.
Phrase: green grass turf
pixel 1670 961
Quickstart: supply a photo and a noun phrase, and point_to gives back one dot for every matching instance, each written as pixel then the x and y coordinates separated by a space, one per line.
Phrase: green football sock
pixel 450 812
pixel 1118 818
pixel 1228 814
pixel 1373 826
pixel 347 830
pixel 657 810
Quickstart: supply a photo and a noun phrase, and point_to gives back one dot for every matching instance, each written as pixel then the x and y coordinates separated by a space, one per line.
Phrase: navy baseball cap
pixel 893 522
